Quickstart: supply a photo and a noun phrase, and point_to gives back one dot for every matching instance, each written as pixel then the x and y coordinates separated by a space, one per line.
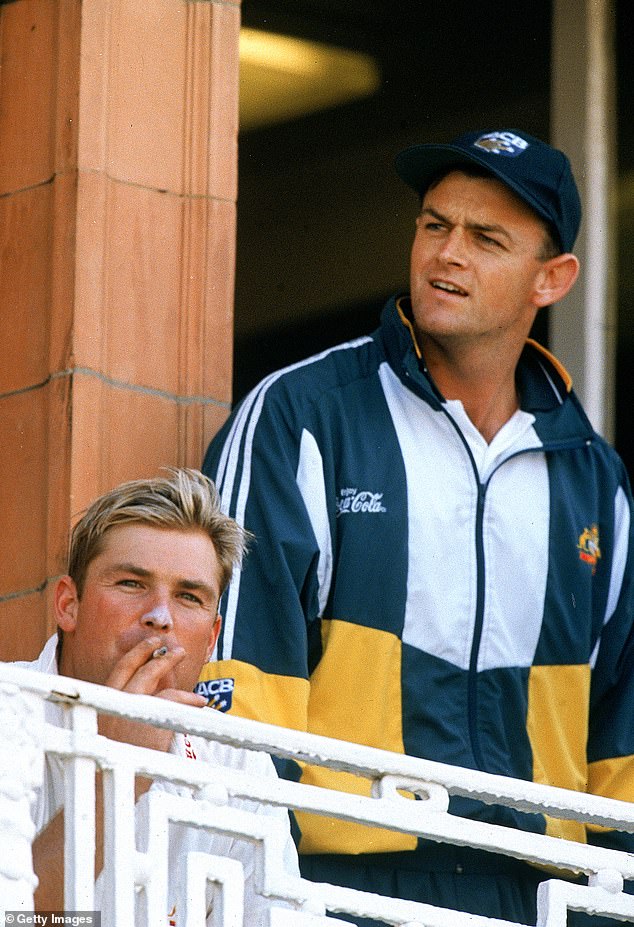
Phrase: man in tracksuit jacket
pixel 443 554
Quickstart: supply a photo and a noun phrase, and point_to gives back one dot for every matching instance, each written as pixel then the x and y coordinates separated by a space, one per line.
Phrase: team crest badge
pixel 218 692
pixel 502 143
pixel 588 546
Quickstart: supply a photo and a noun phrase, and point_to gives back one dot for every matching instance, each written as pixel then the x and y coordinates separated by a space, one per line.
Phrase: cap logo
pixel 502 143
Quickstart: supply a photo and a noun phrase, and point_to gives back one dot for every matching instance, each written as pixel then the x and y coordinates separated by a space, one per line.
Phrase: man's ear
pixel 213 637
pixel 555 279
pixel 66 603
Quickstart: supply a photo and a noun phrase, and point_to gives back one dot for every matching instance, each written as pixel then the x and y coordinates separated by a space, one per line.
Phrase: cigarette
pixel 159 652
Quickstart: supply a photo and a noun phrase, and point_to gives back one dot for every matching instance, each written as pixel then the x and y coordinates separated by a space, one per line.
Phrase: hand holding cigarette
pixel 147 669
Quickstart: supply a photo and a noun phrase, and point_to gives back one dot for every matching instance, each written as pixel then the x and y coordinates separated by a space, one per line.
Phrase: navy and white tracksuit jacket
pixel 415 589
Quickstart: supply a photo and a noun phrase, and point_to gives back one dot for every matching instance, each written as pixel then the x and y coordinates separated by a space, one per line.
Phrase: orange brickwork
pixel 118 181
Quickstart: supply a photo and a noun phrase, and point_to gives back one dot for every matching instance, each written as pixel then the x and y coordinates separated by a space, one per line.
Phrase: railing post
pixel 21 771
pixel 79 815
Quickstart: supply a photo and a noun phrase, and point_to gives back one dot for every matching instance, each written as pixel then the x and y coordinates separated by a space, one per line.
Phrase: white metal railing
pixel 294 901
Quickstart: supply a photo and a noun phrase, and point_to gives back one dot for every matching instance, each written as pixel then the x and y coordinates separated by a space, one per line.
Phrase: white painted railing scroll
pixel 130 873
pixel 21 768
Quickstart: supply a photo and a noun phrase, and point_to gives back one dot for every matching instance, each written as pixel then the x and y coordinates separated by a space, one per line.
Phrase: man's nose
pixel 159 619
pixel 454 247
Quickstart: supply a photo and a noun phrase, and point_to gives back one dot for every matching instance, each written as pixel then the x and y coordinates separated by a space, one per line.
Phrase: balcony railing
pixel 130 874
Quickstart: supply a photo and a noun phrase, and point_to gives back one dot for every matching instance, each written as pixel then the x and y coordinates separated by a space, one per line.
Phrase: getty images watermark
pixel 48 918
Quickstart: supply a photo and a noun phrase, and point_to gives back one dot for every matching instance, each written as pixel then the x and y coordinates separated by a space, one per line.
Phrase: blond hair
pixel 184 499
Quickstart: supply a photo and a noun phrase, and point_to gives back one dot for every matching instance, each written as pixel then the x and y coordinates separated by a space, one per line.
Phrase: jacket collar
pixel 544 384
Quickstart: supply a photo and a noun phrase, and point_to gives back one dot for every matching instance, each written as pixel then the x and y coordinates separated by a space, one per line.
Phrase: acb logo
pixel 218 692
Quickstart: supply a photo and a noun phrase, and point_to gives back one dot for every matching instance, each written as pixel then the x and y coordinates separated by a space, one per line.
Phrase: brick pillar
pixel 118 159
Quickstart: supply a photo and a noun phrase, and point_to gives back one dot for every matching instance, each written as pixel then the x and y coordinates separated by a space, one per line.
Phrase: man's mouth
pixel 448 287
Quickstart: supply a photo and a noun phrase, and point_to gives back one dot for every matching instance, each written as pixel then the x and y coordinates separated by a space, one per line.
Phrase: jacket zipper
pixel 472 680
pixel 472 684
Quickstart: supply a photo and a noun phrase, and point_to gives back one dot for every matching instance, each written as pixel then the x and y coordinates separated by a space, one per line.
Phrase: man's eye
pixel 490 241
pixel 129 583
pixel 190 597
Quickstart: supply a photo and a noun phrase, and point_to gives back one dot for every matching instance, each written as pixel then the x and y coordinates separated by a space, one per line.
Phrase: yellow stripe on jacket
pixel 353 711
pixel 557 724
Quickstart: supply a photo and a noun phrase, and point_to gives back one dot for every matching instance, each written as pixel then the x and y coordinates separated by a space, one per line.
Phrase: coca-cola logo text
pixel 354 500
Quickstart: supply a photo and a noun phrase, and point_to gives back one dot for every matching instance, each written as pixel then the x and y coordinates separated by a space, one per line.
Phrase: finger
pixel 157 673
pixel 139 671
pixel 125 668
pixel 184 698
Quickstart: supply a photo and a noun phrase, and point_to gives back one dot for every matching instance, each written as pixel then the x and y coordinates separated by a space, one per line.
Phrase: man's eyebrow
pixel 428 211
pixel 198 585
pixel 473 226
pixel 129 568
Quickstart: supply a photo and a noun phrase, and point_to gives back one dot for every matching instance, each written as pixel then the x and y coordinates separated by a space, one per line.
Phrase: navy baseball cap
pixel 538 173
